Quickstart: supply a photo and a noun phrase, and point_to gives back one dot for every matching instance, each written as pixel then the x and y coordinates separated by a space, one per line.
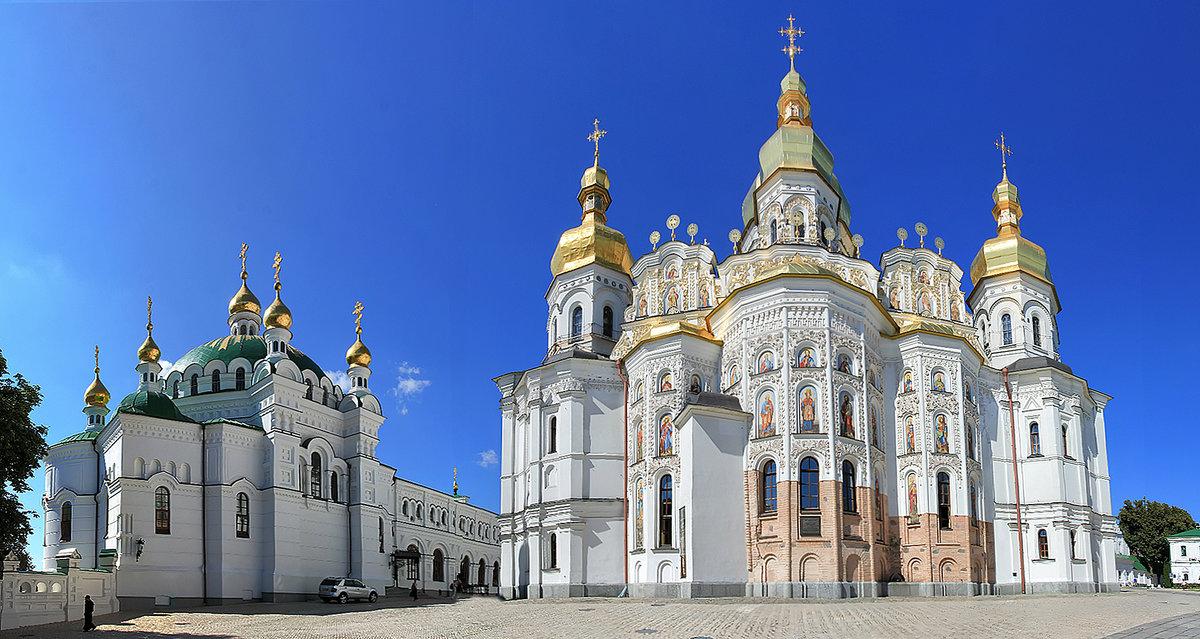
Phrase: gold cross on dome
pixel 149 313
pixel 1005 151
pixel 358 309
pixel 791 33
pixel 97 359
pixel 595 136
pixel 275 265
pixel 243 256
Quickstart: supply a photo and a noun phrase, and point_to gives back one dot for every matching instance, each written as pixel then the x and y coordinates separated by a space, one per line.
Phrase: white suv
pixel 344 589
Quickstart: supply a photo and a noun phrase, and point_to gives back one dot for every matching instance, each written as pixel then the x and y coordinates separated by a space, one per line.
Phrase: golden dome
pixel 149 351
pixel 278 314
pixel 591 242
pixel 97 394
pixel 1009 252
pixel 359 354
pixel 594 176
pixel 244 300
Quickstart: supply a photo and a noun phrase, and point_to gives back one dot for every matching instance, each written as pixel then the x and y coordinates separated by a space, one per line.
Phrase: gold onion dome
pixel 592 242
pixel 97 394
pixel 359 354
pixel 278 314
pixel 244 300
pixel 149 351
pixel 594 176
pixel 1009 252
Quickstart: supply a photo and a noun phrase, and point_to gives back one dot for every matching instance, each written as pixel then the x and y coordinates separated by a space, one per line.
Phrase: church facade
pixel 794 420
pixel 244 472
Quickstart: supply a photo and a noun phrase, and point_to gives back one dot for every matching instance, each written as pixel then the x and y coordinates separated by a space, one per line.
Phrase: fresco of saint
pixel 922 277
pixel 911 435
pixel 641 446
pixel 925 304
pixel 871 377
pixel 672 272
pixel 766 362
pixel 735 374
pixel 847 415
pixel 843 363
pixel 638 510
pixel 703 297
pixel 664 384
pixel 941 435
pixel 967 391
pixel 640 392
pixel 907 381
pixel 808 411
pixel 912 495
pixel 642 307
pixel 954 311
pixel 694 384
pixel 666 436
pixel 806 358
pixel 874 430
pixel 766 414
pixel 673 300
pixel 939 381
pixel 894 298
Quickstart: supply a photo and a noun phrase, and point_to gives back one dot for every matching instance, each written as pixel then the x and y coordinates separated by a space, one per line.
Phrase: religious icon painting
pixel 642 306
pixel 735 374
pixel 694 386
pixel 638 514
pixel 666 436
pixel 847 415
pixel 808 410
pixel 967 391
pixel 925 308
pixel 894 298
pixel 874 429
pixel 923 277
pixel 941 434
pixel 672 272
pixel 641 444
pixel 703 297
pixel 908 381
pixel 843 363
pixel 939 381
pixel 954 311
pixel 664 383
pixel 673 300
pixel 910 435
pixel 766 362
pixel 806 359
pixel 640 392
pixel 766 414
pixel 912 495
pixel 871 377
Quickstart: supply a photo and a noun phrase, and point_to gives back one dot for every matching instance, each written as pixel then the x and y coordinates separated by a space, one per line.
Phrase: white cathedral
pixel 245 473
pixel 795 421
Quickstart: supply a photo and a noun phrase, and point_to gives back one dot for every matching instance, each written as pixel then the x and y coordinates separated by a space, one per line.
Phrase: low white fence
pixel 31 598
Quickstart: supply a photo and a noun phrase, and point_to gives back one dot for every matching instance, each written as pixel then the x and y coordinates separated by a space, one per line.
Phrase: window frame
pixel 666 489
pixel 242 516
pixel 1035 440
pixel 810 481
pixel 1043 544
pixel 315 481
pixel 768 503
pixel 162 511
pixel 943 500
pixel 607 321
pixel 1006 332
pixel 849 486
pixel 64 522
pixel 576 322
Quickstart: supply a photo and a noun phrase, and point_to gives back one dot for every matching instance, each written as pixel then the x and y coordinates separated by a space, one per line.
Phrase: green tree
pixel 1146 526
pixel 22 446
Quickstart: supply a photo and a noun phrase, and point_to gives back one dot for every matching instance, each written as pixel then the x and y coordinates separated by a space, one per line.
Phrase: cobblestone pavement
pixel 1154 613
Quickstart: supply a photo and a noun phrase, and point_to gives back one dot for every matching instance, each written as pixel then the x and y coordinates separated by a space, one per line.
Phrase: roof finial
pixel 595 136
pixel 243 256
pixel 149 315
pixel 275 265
pixel 358 309
pixel 456 481
pixel 1005 151
pixel 97 359
pixel 791 33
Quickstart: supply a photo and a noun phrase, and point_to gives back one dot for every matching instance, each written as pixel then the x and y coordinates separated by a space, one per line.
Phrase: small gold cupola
pixel 793 105
pixel 244 300
pixel 1009 252
pixel 97 395
pixel 278 314
pixel 149 351
pixel 592 241
pixel 358 354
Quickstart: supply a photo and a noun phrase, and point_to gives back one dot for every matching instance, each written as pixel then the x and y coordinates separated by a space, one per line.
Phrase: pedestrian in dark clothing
pixel 412 592
pixel 89 607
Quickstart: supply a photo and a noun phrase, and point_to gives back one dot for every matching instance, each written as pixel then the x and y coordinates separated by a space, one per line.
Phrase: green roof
pixel 232 422
pixel 1137 563
pixel 85 436
pixel 1195 532
pixel 152 404
pixel 231 347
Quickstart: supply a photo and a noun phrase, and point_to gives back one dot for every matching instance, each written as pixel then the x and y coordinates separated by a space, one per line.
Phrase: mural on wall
pixel 666 436
pixel 847 412
pixel 640 391
pixel 939 381
pixel 941 435
pixel 808 410
pixel 695 386
pixel 664 383
pixel 925 309
pixel 894 298
pixel 641 445
pixel 672 272
pixel 908 381
pixel 874 430
pixel 703 296
pixel 766 362
pixel 766 414
pixel 638 514
pixel 910 435
pixel 806 359
pixel 673 300
pixel 954 311
pixel 641 307
pixel 735 374
pixel 843 363
pixel 912 495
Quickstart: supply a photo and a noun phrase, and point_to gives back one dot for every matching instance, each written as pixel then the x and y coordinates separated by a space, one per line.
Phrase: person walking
pixel 454 589
pixel 412 592
pixel 89 607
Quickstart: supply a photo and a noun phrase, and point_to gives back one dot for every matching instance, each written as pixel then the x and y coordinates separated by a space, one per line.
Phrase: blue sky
pixel 424 158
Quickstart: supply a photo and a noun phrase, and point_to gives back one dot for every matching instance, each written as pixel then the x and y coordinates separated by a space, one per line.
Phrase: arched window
pixel 496 574
pixel 1037 331
pixel 943 497
pixel 774 231
pixel 64 525
pixel 439 565
pixel 552 436
pixel 242 520
pixel 974 502
pixel 664 511
pixel 1066 445
pixel 381 534
pixel 308 391
pixel 577 322
pixel 195 384
pixel 1006 328
pixel 553 558
pixel 809 486
pixel 315 476
pixel 1043 544
pixel 482 570
pixel 335 494
pixel 162 511
pixel 175 389
pixel 240 379
pixel 216 381
pixel 849 500
pixel 768 488
pixel 607 326
pixel 1035 441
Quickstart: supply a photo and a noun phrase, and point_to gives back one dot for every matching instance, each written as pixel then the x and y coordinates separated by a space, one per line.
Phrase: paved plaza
pixel 1159 614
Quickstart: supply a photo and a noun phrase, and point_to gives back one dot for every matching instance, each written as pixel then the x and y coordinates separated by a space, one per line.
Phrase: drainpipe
pixel 625 467
pixel 349 524
pixel 1012 425
pixel 203 515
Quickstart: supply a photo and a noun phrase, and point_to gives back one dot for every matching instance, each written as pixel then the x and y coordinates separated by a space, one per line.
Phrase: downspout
pixel 349 524
pixel 625 468
pixel 203 514
pixel 1012 425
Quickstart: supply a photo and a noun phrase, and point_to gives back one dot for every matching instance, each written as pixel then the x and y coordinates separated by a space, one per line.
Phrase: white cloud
pixel 408 385
pixel 405 369
pixel 487 458
pixel 166 366
pixel 340 378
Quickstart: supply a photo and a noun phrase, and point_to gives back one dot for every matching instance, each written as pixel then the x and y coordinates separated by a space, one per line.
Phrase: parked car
pixel 343 589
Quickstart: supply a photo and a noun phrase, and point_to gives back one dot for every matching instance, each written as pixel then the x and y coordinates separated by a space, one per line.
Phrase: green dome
pixel 85 436
pixel 152 404
pixel 251 347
